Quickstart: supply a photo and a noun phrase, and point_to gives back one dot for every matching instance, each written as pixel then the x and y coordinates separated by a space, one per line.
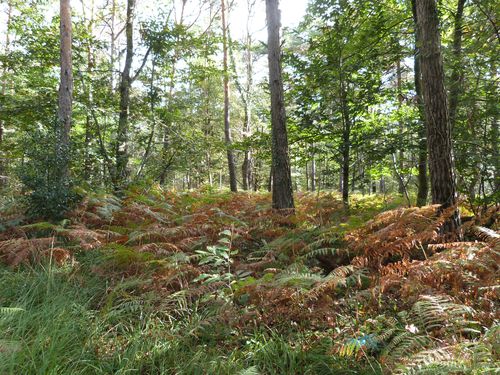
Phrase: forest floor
pixel 219 283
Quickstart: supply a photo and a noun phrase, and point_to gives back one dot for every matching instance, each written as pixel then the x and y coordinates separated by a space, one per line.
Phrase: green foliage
pixel 50 195
pixel 219 259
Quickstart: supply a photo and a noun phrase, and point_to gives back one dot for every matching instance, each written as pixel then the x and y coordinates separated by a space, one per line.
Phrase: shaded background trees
pixel 149 96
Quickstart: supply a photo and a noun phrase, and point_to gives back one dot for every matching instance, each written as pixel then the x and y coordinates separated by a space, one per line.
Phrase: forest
pixel 249 187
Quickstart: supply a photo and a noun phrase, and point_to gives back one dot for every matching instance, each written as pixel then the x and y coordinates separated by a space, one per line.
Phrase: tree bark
pixel 227 124
pixel 400 165
pixel 345 146
pixel 3 177
pixel 112 46
pixel 87 163
pixel 65 101
pixel 247 167
pixel 282 180
pixel 313 172
pixel 122 138
pixel 457 74
pixel 422 179
pixel 443 185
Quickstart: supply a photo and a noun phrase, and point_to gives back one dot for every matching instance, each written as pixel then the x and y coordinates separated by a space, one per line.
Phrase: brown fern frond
pixel 21 250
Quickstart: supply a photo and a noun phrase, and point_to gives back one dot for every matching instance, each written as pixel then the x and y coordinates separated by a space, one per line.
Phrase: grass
pixel 76 323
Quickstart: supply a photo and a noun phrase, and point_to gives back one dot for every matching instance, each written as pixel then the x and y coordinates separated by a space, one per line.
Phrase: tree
pixel 64 112
pixel 282 179
pixel 121 151
pixel 4 89
pixel 443 185
pixel 423 183
pixel 456 75
pixel 227 124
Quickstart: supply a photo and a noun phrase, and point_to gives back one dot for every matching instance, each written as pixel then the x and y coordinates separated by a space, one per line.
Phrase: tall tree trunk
pixel 113 37
pixel 122 138
pixel 423 182
pixel 495 136
pixel 227 124
pixel 457 74
pixel 313 172
pixel 400 166
pixel 65 94
pixel 87 162
pixel 4 91
pixel 247 167
pixel 346 146
pixel 443 185
pixel 282 180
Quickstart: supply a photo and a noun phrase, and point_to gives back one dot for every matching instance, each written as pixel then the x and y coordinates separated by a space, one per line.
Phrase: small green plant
pixel 219 258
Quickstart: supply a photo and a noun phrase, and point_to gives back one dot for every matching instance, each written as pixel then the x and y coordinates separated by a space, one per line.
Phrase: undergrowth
pixel 168 283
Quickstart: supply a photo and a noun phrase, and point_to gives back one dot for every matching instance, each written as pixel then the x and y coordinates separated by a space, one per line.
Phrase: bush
pixel 50 195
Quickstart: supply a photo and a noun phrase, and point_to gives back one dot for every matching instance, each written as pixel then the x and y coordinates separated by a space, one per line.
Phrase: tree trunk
pixel 65 94
pixel 495 138
pixel 282 180
pixel 112 46
pixel 457 74
pixel 227 125
pixel 3 177
pixel 247 167
pixel 400 165
pixel 87 163
pixel 423 182
pixel 443 185
pixel 345 146
pixel 121 150
pixel 313 173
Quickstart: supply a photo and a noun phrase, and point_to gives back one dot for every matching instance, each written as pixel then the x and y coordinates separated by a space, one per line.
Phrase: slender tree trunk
pixel 457 72
pixel 423 182
pixel 247 166
pixel 443 185
pixel 152 109
pixel 282 180
pixel 345 147
pixel 306 170
pixel 227 125
pixel 87 163
pixel 313 173
pixel 400 165
pixel 3 178
pixel 270 180
pixel 112 45
pixel 495 137
pixel 122 138
pixel 65 94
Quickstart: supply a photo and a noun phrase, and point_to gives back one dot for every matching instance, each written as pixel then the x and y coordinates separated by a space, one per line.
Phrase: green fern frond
pixel 435 312
pixel 325 251
pixel 299 278
pixel 5 311
pixel 405 344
